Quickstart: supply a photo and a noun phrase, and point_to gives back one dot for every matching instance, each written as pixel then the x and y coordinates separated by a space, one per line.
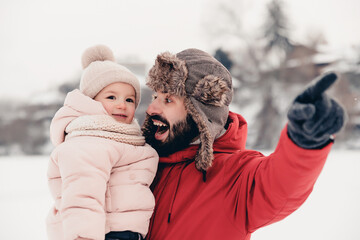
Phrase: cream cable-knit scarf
pixel 106 127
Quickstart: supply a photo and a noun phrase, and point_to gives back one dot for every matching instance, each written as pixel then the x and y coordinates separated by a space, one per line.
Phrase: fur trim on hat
pixel 96 53
pixel 212 90
pixel 168 75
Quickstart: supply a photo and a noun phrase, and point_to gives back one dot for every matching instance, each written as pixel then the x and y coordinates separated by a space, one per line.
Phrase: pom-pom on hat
pixel 100 70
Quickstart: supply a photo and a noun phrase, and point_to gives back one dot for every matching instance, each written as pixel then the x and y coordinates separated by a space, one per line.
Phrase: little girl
pixel 100 171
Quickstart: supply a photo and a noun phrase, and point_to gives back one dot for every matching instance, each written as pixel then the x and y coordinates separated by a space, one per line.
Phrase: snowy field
pixel 331 212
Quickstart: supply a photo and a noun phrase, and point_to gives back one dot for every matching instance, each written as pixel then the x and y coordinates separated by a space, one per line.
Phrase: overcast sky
pixel 41 41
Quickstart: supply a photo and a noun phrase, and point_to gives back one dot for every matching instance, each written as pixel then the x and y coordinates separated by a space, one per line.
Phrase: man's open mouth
pixel 162 131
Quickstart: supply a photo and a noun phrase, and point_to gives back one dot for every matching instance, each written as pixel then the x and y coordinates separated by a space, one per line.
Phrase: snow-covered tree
pixel 276 29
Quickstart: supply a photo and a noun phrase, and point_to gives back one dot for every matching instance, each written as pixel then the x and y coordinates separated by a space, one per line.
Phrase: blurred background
pixel 272 48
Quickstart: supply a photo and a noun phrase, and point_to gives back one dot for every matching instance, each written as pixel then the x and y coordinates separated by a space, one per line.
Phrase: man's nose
pixel 154 108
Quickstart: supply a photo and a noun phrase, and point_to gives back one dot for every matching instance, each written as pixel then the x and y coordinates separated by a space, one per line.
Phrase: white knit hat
pixel 100 70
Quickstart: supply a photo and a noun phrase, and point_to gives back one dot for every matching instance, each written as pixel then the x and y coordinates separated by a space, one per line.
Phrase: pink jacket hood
pixel 76 104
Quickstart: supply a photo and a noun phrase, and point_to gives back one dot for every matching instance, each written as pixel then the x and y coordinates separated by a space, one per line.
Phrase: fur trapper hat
pixel 207 87
pixel 100 70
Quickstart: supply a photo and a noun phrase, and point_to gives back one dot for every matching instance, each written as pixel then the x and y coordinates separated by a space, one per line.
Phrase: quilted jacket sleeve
pixel 85 172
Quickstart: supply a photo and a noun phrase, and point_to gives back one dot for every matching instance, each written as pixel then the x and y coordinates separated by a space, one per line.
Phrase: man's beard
pixel 181 134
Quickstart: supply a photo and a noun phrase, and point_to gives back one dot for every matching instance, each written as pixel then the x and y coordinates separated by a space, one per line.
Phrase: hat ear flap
pixel 212 90
pixel 204 156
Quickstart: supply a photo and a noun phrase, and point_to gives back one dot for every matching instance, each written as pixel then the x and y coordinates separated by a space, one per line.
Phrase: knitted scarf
pixel 106 127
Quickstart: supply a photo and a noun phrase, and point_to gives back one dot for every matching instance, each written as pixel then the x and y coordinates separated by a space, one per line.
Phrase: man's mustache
pixel 158 118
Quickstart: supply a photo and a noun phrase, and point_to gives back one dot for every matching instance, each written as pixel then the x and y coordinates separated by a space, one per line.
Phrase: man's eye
pixel 168 100
pixel 111 97
pixel 130 100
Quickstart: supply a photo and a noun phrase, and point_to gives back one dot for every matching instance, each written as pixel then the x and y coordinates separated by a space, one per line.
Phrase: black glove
pixel 313 116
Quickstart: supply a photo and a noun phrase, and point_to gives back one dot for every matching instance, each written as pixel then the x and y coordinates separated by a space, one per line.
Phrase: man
pixel 208 185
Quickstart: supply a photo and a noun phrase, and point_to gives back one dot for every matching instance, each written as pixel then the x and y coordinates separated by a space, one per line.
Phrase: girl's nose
pixel 121 105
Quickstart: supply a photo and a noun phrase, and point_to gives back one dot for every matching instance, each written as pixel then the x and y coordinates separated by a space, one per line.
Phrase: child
pixel 100 171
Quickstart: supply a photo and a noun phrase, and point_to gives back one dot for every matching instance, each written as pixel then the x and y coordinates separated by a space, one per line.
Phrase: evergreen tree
pixel 276 33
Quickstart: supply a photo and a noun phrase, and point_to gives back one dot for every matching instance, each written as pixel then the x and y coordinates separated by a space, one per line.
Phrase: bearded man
pixel 208 185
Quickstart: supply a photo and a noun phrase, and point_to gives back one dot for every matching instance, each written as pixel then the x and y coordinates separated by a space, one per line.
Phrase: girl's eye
pixel 168 100
pixel 130 100
pixel 111 97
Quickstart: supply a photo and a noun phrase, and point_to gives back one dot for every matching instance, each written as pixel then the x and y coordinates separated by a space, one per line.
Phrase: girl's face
pixel 118 100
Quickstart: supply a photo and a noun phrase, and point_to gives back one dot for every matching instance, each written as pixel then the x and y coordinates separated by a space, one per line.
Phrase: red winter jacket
pixel 243 191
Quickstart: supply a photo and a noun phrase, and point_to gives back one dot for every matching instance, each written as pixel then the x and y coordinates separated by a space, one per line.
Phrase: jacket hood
pixel 76 104
pixel 233 139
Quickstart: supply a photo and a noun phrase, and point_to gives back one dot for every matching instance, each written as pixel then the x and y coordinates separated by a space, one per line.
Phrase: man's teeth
pixel 159 124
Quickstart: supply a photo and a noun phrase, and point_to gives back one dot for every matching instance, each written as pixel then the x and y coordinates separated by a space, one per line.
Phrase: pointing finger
pixel 318 86
pixel 323 83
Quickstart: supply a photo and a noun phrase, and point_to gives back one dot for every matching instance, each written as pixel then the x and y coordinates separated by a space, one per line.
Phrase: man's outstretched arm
pixel 276 185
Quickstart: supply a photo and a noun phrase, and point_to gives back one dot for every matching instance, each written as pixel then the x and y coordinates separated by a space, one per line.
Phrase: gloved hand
pixel 313 116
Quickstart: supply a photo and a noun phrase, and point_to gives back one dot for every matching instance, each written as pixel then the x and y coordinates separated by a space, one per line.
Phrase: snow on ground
pixel 330 213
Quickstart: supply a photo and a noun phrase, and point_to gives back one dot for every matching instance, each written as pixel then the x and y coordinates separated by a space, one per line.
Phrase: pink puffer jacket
pixel 98 184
